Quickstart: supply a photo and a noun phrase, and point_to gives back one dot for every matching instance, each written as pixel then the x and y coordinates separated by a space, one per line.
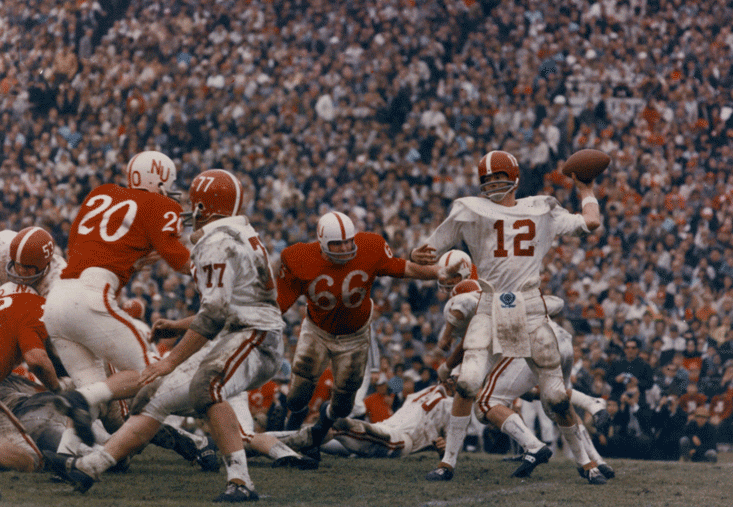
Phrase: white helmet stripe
pixel 23 242
pixel 238 190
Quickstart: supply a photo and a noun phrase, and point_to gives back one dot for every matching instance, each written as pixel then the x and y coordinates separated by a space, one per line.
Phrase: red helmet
pixel 134 308
pixel 464 287
pixel 214 192
pixel 498 162
pixel 32 246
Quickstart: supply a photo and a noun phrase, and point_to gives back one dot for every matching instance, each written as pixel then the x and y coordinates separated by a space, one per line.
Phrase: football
pixel 586 164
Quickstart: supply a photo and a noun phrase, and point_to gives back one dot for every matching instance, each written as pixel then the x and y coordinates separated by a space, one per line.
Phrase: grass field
pixel 160 478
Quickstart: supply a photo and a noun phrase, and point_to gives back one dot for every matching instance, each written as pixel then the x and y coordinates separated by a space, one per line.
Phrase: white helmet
pixel 336 226
pixel 152 171
pixel 453 258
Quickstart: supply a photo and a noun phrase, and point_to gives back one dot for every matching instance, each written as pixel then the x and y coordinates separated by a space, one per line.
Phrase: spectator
pixel 699 440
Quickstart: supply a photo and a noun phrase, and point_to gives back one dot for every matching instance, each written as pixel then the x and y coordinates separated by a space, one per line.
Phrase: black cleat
pixel 530 460
pixel 601 420
pixel 442 473
pixel 235 493
pixel 595 477
pixel 299 462
pixel 64 465
pixel 207 458
pixel 76 408
pixel 606 470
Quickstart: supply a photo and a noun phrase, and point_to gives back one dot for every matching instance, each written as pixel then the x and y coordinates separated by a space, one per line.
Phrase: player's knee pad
pixel 473 372
pixel 544 349
pixel 341 403
pixel 553 394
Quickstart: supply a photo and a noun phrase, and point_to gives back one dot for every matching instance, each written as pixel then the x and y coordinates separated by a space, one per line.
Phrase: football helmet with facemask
pixel 498 162
pixel 335 226
pixel 458 262
pixel 154 172
pixel 215 192
pixel 32 246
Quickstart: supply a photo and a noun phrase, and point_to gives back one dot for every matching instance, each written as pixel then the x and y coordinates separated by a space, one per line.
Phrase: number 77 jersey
pixel 116 226
pixel 507 243
pixel 338 295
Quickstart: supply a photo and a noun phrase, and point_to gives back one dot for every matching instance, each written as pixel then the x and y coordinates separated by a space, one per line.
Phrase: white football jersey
pixel 424 416
pixel 233 275
pixel 43 286
pixel 507 243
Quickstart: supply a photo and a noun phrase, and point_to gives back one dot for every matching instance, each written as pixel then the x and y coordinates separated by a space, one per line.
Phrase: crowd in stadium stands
pixel 382 109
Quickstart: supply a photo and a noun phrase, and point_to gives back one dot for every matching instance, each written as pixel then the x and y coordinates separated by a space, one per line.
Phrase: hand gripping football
pixel 586 164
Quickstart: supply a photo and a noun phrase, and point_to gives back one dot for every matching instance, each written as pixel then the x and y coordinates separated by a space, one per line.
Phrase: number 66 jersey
pixel 338 295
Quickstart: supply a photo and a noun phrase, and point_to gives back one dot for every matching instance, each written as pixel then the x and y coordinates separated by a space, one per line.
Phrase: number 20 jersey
pixel 338 295
pixel 507 243
pixel 116 226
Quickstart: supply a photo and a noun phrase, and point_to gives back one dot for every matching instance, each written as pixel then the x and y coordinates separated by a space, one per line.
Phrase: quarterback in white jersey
pixel 20 251
pixel 507 239
pixel 233 344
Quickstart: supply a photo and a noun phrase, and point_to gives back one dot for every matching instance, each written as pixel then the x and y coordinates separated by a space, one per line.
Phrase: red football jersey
pixel 21 329
pixel 116 226
pixel 261 398
pixel 338 295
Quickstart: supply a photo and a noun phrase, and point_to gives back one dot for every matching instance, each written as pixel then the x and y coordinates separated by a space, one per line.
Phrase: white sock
pixel 96 394
pixel 69 443
pixel 100 434
pixel 96 463
pixel 587 403
pixel 236 464
pixel 280 450
pixel 454 438
pixel 572 437
pixel 588 445
pixel 514 427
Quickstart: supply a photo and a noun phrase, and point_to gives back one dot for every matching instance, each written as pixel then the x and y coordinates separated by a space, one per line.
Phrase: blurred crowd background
pixel 381 109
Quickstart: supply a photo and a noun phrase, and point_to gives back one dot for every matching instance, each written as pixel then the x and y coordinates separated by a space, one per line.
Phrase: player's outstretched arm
pixel 590 210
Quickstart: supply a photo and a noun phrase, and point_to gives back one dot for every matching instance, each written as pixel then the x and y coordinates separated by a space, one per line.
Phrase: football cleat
pixel 294 461
pixel 207 458
pixel 64 465
pixel 601 420
pixel 530 460
pixel 76 408
pixel 442 473
pixel 595 477
pixel 606 470
pixel 236 492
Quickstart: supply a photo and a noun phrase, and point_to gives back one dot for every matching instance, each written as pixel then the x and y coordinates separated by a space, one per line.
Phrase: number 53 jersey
pixel 338 295
pixel 116 226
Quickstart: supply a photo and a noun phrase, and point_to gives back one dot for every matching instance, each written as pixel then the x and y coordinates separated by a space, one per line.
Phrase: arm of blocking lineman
pixel 420 271
pixel 591 211
pixel 41 366
pixel 188 346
